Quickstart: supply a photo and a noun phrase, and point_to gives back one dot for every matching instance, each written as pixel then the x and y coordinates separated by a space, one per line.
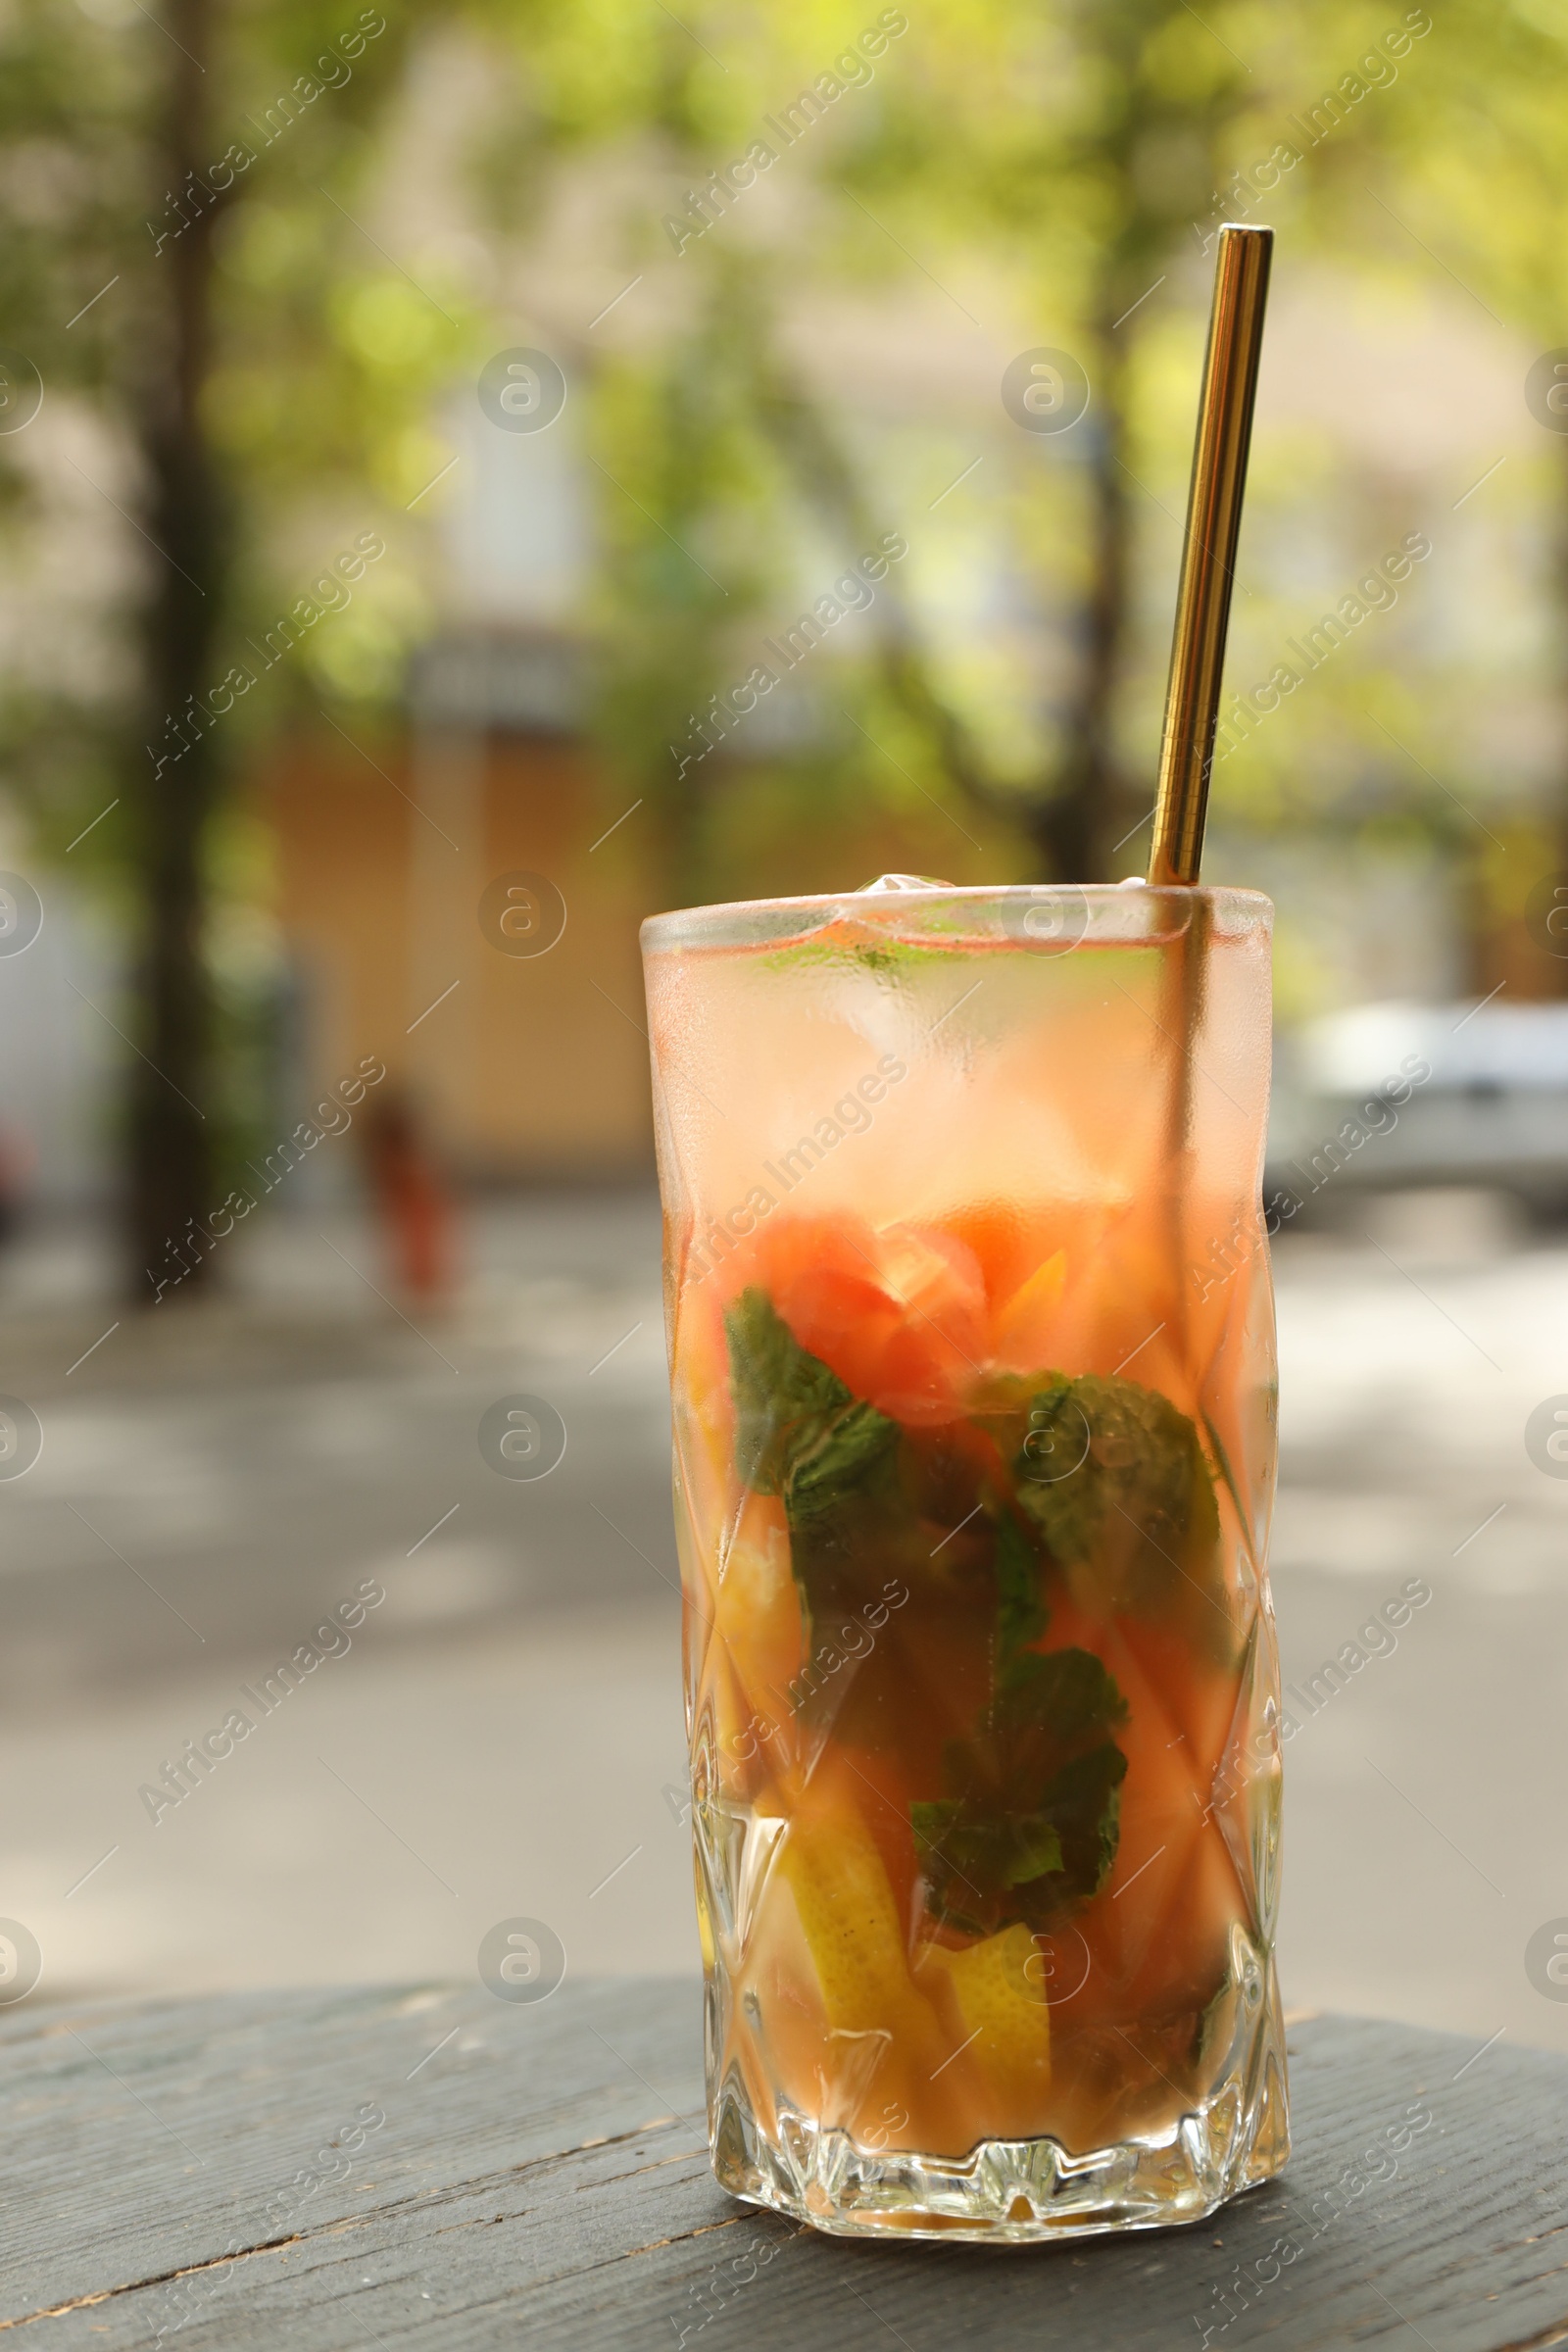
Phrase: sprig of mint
pixel 799 1430
pixel 1030 1824
pixel 1114 1477
pixel 1110 1486
pixel 801 1434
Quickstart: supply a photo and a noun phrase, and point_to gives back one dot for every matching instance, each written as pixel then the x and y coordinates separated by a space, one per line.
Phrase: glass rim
pixel 935 912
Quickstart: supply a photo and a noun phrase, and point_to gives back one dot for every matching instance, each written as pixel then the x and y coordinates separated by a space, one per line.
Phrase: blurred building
pixel 526 1063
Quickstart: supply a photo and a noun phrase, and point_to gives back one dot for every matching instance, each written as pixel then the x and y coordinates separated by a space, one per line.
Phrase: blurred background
pixel 473 476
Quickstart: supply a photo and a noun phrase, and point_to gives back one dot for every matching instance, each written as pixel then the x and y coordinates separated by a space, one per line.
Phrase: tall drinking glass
pixel 972 1354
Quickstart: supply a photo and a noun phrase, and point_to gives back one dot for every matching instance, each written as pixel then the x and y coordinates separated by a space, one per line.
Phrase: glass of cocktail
pixel 971 1352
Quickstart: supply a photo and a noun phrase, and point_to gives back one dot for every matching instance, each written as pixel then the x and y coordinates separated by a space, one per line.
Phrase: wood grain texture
pixel 541 2179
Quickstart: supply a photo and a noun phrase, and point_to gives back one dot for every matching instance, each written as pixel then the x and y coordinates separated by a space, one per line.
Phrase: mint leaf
pixel 823 1474
pixel 799 1430
pixel 1084 1801
pixel 1029 1826
pixel 933 1820
pixel 1051 1698
pixel 1114 1477
pixel 1036 1844
pixel 976 1855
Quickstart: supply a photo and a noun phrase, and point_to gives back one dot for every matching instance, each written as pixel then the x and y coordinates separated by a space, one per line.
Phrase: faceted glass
pixel 971 1346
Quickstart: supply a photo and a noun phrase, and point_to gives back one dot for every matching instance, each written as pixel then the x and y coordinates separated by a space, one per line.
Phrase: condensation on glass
pixel 972 1354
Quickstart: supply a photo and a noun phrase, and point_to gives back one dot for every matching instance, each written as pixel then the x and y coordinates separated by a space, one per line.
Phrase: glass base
pixel 1016 2191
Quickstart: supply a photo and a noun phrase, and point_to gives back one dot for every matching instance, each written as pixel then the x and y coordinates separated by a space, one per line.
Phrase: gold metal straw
pixel 1208 555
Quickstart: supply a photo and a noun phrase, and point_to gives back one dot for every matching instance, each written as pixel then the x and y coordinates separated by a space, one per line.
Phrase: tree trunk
pixel 171 1143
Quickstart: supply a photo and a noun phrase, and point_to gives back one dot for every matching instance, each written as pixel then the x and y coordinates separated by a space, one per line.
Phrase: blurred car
pixel 1397 1095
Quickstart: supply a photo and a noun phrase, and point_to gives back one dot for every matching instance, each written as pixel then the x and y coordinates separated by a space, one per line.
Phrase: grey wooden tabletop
pixel 432 2168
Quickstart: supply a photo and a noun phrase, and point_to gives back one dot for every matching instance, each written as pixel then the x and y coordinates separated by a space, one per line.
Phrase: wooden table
pixel 539 2179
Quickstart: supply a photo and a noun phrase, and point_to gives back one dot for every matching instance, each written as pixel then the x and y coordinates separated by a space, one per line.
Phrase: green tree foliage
pixel 252 252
